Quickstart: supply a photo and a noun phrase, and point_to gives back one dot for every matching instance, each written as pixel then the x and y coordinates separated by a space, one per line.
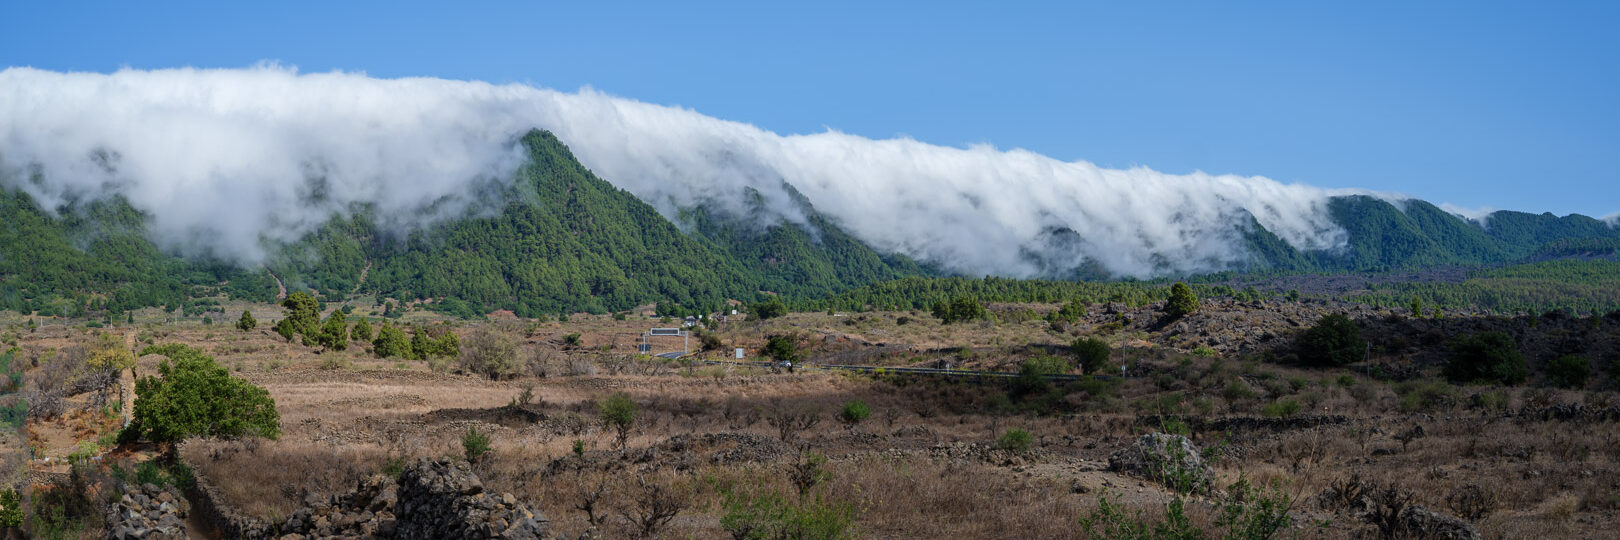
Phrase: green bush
pixel 475 444
pixel 1281 408
pixel 1016 440
pixel 854 412
pixel 1093 354
pixel 246 322
pixel 1182 301
pixel 783 348
pixel 1491 357
pixel 771 516
pixel 361 330
pixel 1334 341
pixel 619 412
pixel 10 509
pixel 1424 395
pixel 959 309
pixel 193 395
pixel 1569 371
pixel 391 343
pixel 770 309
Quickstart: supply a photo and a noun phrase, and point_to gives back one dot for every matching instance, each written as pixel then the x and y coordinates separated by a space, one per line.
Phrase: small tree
pixel 1015 440
pixel 783 348
pixel 959 309
pixel 391 342
pixel 361 330
pixel 619 413
pixel 335 332
pixel 11 515
pixel 489 353
pixel 193 395
pixel 1569 371
pixel 1182 301
pixel 303 317
pixel 1334 341
pixel 1093 354
pixel 246 322
pixel 853 413
pixel 1486 356
pixel 475 444
pixel 770 309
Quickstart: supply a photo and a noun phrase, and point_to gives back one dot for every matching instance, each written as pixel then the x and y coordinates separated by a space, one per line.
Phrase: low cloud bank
pixel 230 161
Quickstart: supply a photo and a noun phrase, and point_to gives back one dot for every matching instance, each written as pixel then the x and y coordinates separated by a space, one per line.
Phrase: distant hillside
pixel 561 239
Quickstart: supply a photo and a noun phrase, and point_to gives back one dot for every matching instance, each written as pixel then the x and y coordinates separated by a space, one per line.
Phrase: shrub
pixel 782 348
pixel 475 444
pixel 193 395
pixel 392 343
pixel 361 330
pixel 854 412
pixel 619 413
pixel 335 332
pixel 1182 301
pixel 1093 354
pixel 1016 440
pixel 1422 395
pixel 1486 357
pixel 1569 371
pixel 770 516
pixel 1069 313
pixel 1281 408
pixel 1335 340
pixel 246 322
pixel 770 309
pixel 959 309
pixel 10 509
pixel 489 353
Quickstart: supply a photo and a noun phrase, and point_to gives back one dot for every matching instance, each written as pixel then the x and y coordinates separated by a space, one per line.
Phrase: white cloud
pixel 1477 215
pixel 225 158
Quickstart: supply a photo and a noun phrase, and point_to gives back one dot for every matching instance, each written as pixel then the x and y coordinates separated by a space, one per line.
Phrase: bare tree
pixel 655 506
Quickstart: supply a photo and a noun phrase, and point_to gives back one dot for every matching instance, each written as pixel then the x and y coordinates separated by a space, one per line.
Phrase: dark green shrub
pixel 771 516
pixel 246 322
pixel 854 412
pixel 770 309
pixel 960 309
pixel 475 444
pixel 392 343
pixel 1491 357
pixel 361 330
pixel 1016 440
pixel 10 509
pixel 193 395
pixel 1424 395
pixel 1281 408
pixel 1335 340
pixel 1182 301
pixel 783 348
pixel 1093 354
pixel 1569 371
pixel 619 412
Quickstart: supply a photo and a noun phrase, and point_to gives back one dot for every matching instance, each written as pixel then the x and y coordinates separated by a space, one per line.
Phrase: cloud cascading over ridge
pixel 224 160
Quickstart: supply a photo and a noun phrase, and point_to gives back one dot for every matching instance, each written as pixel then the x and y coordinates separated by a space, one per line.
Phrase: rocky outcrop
pixel 431 499
pixel 147 511
pixel 1421 522
pixel 444 499
pixel 1171 460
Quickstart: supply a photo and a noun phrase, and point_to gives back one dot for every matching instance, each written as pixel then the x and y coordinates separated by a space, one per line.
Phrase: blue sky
pixel 1478 104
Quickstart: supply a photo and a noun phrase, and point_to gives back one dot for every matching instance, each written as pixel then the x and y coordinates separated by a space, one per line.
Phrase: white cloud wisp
pixel 225 160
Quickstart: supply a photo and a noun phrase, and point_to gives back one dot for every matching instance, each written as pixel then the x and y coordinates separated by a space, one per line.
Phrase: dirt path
pixel 281 289
pixel 357 284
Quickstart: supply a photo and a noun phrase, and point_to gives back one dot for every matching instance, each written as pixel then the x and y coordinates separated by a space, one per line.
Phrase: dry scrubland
pixel 925 463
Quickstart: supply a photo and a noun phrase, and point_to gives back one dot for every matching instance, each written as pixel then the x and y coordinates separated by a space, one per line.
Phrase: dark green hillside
pixel 809 260
pixel 93 257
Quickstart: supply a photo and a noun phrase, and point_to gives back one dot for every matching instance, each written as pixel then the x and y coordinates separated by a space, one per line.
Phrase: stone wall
pixel 431 499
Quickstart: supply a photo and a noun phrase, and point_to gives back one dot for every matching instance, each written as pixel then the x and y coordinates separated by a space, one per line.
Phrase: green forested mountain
pixel 561 239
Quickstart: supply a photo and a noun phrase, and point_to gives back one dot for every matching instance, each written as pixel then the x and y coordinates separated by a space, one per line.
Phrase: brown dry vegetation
pixel 921 465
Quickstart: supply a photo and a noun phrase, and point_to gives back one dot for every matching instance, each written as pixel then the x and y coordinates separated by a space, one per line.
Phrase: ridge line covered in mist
pixel 229 161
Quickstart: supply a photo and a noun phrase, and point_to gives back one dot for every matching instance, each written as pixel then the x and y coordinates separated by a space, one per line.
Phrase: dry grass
pixel 1550 478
